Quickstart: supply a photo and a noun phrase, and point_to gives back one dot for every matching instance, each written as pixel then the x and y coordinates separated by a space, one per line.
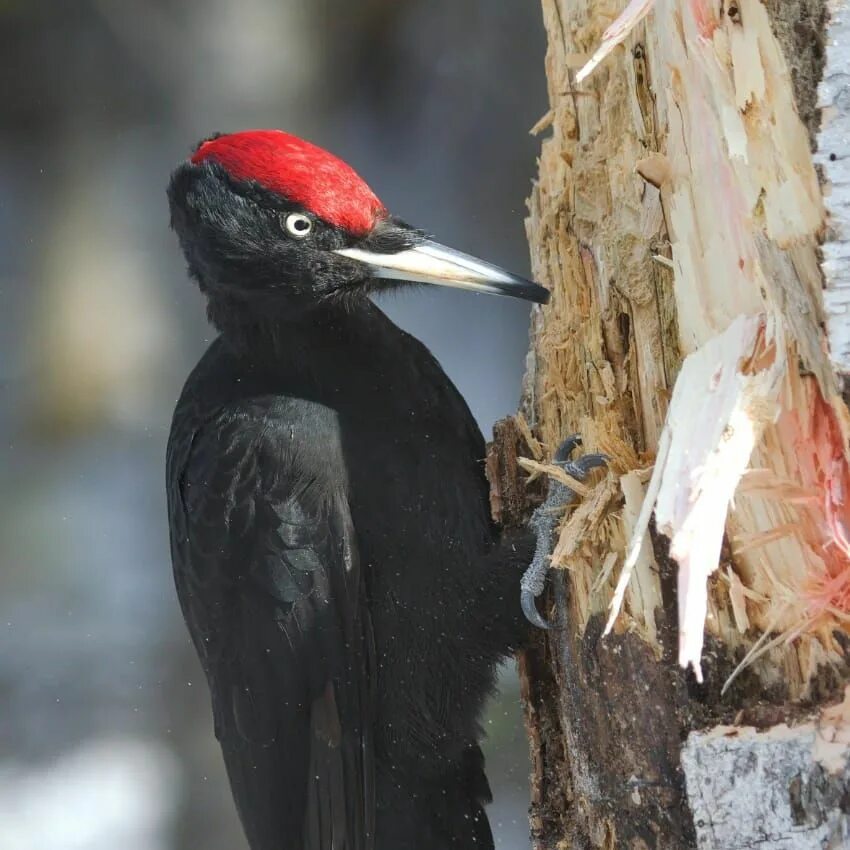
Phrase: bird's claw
pixel 565 451
pixel 528 601
pixel 579 468
pixel 544 521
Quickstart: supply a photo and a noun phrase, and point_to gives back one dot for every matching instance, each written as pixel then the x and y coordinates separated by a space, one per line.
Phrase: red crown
pixel 301 172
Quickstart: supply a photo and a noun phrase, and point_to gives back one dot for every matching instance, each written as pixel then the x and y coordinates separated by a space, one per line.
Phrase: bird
pixel 345 587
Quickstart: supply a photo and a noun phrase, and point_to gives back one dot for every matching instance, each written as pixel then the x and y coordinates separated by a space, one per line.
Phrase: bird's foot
pixel 544 521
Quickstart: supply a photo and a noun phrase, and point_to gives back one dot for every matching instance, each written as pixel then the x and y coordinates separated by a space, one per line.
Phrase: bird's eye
pixel 298 225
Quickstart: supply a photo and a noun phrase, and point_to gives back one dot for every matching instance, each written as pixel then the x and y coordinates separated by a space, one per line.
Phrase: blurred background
pixel 105 731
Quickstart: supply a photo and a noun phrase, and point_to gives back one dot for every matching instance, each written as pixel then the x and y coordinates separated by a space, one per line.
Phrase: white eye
pixel 298 225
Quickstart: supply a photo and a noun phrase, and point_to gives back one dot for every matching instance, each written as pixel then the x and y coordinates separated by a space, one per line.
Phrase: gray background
pixel 105 734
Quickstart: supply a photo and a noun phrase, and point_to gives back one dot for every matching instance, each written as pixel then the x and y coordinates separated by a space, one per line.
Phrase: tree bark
pixel 696 250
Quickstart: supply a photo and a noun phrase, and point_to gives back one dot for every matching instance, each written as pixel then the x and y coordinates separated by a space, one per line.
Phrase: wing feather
pixel 266 566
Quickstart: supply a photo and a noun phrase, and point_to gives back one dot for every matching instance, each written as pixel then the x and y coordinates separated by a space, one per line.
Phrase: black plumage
pixel 344 586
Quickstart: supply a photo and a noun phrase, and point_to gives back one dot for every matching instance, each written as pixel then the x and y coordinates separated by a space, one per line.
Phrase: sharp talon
pixel 544 522
pixel 567 448
pixel 529 608
pixel 587 462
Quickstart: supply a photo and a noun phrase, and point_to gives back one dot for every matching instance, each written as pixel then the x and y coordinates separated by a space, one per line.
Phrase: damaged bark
pixel 702 591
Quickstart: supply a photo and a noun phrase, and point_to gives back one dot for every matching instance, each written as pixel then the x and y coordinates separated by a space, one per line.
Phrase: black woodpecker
pixel 336 563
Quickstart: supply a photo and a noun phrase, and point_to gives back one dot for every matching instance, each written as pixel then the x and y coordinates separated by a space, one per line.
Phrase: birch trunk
pixel 696 250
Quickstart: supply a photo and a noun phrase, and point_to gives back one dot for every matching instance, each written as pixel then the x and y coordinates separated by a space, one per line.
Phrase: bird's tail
pixel 460 805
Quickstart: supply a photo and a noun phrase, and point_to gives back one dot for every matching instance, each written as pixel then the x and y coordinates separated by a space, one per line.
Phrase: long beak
pixel 442 266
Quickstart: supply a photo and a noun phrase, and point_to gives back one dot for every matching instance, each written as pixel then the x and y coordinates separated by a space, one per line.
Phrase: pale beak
pixel 433 263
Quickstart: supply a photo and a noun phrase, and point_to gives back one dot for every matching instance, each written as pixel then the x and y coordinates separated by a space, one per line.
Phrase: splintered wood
pixel 676 219
pixel 719 409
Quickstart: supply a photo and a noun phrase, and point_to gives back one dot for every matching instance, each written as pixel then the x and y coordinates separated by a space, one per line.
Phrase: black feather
pixel 333 550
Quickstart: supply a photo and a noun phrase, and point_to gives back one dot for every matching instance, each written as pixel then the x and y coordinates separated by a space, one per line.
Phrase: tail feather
pixel 462 796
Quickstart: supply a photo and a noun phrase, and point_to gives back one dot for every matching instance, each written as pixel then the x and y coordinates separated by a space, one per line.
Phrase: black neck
pixel 264 326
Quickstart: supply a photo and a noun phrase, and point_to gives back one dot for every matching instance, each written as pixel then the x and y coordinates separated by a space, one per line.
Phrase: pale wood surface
pixel 677 218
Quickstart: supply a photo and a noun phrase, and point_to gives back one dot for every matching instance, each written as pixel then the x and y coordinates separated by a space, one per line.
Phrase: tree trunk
pixel 697 334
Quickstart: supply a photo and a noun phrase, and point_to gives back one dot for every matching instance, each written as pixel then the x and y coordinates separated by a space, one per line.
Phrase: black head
pixel 268 219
